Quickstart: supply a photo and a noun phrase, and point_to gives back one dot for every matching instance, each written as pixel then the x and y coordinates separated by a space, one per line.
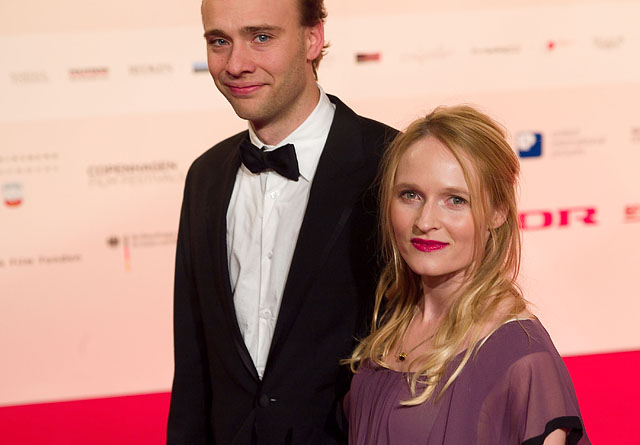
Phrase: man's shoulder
pixel 220 153
pixel 372 130
pixel 377 130
pixel 223 156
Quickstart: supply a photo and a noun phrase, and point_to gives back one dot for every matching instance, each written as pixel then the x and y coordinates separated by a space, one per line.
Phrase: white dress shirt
pixel 263 221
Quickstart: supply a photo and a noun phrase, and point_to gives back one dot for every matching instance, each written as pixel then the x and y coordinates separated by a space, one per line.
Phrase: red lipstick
pixel 427 245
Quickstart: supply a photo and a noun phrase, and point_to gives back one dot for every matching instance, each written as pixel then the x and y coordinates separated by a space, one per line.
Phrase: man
pixel 275 266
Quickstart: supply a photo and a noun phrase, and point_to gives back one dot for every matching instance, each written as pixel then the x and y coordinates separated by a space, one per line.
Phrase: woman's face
pixel 431 211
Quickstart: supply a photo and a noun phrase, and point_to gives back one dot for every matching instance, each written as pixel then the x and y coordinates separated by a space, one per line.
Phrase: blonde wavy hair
pixel 491 170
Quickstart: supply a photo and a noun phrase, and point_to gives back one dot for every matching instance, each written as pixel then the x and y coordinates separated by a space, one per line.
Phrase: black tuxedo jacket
pixel 217 396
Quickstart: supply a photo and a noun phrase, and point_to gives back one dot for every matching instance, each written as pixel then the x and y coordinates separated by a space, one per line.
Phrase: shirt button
pixel 270 254
pixel 273 195
pixel 265 314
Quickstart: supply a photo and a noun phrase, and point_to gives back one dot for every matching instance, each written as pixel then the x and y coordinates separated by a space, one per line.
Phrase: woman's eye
pixel 457 200
pixel 409 194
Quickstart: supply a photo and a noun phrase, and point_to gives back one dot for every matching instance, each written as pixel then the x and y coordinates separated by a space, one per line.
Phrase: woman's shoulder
pixel 514 340
pixel 520 364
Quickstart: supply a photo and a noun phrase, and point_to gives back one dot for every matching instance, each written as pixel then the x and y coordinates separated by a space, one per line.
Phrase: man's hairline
pixel 300 16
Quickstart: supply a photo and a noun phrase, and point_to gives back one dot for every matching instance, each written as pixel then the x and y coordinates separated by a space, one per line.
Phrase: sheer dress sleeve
pixel 534 398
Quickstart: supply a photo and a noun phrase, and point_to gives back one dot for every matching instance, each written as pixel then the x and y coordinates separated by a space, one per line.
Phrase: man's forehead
pixel 250 8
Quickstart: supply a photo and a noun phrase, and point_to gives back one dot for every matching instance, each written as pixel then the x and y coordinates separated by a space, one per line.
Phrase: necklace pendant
pixel 402 356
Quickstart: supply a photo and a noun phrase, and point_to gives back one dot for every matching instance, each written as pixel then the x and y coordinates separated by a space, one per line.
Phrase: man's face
pixel 260 56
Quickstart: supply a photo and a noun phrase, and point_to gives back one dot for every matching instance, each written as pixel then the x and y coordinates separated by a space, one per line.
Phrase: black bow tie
pixel 282 160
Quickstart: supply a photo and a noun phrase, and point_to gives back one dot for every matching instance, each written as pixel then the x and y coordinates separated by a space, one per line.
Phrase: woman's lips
pixel 425 245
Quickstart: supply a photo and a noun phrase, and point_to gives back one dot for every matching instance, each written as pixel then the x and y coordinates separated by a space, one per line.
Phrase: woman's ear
pixel 498 218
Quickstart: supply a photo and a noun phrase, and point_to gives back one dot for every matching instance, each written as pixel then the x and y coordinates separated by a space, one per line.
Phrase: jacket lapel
pixel 219 195
pixel 335 187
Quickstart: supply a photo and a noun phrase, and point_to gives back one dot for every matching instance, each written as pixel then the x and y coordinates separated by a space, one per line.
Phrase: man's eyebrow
pixel 215 32
pixel 261 28
pixel 245 30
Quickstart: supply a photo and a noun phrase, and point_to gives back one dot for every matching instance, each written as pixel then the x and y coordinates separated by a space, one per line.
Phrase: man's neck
pixel 275 131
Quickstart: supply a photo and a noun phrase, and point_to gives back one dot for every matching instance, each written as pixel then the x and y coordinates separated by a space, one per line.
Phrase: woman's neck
pixel 438 294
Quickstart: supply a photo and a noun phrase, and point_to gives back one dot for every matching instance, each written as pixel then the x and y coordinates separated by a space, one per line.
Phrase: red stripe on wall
pixel 607 386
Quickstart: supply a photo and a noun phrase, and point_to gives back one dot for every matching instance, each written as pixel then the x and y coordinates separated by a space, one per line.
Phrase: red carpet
pixel 130 420
pixel 607 387
pixel 608 392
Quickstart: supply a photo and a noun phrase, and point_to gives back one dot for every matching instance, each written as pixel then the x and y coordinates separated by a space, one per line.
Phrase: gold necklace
pixel 402 356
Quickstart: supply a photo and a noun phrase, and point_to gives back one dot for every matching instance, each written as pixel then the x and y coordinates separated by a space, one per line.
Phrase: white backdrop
pixel 103 106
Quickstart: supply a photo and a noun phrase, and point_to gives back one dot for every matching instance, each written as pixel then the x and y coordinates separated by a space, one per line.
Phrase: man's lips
pixel 426 245
pixel 243 90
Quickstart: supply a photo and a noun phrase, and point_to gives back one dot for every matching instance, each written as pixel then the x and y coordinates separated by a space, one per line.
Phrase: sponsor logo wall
pixel 98 128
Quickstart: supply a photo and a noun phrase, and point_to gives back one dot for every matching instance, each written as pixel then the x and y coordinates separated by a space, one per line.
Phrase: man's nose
pixel 240 61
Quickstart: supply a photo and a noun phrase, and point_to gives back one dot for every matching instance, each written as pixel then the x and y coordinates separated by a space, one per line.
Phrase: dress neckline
pixel 377 367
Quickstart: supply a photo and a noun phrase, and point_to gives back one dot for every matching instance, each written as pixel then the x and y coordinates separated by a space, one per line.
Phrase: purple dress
pixel 515 390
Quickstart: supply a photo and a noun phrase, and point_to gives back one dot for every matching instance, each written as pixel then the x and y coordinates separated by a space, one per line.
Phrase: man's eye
pixel 262 38
pixel 217 42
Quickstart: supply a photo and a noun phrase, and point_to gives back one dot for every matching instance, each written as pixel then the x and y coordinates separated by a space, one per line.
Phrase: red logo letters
pixel 543 219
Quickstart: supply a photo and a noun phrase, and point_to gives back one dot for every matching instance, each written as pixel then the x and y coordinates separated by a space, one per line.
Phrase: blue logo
pixel 200 67
pixel 529 144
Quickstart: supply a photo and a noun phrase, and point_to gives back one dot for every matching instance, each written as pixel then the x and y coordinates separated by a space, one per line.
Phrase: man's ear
pixel 315 40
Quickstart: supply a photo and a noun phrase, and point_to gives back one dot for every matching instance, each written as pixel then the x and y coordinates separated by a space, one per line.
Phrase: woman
pixel 454 356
